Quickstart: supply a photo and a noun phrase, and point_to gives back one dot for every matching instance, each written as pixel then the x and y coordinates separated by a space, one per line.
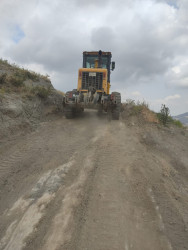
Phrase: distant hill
pixel 182 118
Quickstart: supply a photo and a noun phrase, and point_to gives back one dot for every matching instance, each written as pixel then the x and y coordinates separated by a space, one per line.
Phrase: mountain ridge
pixel 182 118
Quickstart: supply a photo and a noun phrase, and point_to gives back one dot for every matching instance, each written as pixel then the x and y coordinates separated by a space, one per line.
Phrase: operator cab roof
pixel 96 53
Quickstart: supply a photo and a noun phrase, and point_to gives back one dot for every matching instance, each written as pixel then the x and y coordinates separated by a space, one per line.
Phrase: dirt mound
pixel 149 116
pixel 138 114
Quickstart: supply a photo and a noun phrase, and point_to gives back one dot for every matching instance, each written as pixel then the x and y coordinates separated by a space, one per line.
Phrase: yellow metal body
pixel 105 84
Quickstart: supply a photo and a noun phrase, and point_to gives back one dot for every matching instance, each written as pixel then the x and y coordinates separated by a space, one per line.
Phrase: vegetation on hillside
pixel 12 79
pixel 166 119
pixel 21 73
pixel 164 114
pixel 141 110
pixel 40 91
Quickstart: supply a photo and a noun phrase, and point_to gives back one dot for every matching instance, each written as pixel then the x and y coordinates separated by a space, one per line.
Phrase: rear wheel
pixel 117 108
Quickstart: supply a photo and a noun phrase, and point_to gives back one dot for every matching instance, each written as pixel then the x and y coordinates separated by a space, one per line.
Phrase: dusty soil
pixel 96 185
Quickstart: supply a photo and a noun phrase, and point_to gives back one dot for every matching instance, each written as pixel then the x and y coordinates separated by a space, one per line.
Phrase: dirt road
pixel 96 185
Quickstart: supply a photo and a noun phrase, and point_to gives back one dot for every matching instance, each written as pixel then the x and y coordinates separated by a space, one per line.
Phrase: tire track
pixel 28 210
pixel 119 206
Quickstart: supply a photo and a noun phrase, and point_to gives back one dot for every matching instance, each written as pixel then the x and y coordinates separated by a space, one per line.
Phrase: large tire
pixel 117 109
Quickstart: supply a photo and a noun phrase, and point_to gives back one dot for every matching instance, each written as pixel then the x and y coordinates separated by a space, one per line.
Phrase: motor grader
pixel 93 90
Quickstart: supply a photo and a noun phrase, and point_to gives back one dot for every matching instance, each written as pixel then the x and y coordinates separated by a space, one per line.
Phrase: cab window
pixel 90 62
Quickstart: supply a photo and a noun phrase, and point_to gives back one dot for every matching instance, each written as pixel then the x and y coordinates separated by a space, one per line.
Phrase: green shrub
pixel 163 116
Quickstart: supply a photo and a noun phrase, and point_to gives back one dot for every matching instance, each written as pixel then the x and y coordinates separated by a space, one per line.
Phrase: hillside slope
pixel 26 99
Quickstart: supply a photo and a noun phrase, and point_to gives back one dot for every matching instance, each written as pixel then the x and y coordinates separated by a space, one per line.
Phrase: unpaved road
pixel 90 184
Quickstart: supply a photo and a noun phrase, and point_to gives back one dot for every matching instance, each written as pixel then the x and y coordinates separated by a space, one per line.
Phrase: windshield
pixel 90 62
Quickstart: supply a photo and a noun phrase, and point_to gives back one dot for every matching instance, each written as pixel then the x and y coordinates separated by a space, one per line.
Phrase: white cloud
pixel 136 93
pixel 167 99
pixel 172 97
pixel 148 39
pixel 178 75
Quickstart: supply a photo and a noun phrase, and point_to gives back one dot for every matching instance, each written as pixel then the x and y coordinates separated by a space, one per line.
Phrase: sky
pixel 148 40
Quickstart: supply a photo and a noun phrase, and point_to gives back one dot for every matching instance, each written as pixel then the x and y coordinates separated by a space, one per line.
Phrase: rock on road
pixel 92 184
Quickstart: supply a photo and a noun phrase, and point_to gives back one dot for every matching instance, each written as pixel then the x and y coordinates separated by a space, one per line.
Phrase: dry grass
pixel 13 77
pixel 20 73
pixel 142 112
pixel 139 109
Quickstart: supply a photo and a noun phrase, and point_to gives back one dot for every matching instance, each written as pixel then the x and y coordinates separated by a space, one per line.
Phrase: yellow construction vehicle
pixel 93 90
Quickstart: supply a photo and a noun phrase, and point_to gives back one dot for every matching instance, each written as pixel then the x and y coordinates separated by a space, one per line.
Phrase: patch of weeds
pixel 136 108
pixel 140 110
pixel 40 91
pixel 16 80
pixel 4 62
pixel 25 73
pixel 29 75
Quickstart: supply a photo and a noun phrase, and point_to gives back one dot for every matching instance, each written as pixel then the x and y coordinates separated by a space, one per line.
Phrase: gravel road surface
pixel 91 184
